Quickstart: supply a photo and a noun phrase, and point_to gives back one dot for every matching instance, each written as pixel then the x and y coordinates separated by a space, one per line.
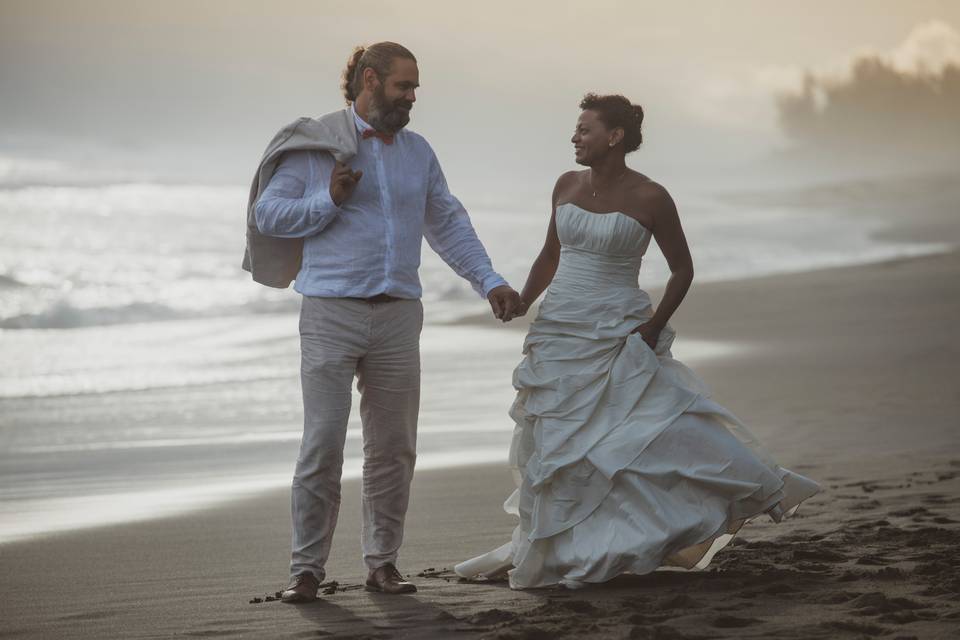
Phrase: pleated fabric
pixel 622 460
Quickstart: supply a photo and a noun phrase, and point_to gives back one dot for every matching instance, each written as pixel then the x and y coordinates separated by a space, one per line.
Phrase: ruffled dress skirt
pixel 622 461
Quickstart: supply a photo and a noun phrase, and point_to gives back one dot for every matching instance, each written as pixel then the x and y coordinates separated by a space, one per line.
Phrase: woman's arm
pixel 668 233
pixel 545 265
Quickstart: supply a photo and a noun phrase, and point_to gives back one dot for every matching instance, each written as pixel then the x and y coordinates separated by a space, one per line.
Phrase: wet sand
pixel 846 375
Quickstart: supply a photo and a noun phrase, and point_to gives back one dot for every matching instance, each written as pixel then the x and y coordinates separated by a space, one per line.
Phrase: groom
pixel 360 227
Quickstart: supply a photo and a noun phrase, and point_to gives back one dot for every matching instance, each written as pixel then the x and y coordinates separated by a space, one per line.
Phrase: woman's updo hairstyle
pixel 378 57
pixel 616 111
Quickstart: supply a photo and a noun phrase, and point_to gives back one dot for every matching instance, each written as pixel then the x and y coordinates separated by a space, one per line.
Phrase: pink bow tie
pixel 373 133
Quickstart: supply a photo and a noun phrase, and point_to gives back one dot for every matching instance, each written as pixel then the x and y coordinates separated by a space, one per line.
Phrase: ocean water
pixel 75 256
pixel 144 374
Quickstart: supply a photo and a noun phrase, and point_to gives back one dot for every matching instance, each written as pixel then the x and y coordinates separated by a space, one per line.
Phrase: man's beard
pixel 387 116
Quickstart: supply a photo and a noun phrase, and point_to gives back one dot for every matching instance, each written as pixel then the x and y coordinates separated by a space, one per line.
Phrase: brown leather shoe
pixel 386 579
pixel 303 587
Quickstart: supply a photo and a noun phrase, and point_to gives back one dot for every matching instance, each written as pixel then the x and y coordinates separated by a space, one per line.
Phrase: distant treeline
pixel 877 109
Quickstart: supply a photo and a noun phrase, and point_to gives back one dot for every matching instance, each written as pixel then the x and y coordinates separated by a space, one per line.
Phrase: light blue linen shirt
pixel 371 243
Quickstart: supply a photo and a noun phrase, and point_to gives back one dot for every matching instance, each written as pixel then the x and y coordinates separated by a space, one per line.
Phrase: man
pixel 362 227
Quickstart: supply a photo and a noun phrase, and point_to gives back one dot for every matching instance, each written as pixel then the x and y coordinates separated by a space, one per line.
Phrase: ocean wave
pixel 93 384
pixel 455 300
pixel 64 315
pixel 19 172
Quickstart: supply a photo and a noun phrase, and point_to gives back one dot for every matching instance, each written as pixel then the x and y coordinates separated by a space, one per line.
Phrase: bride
pixel 622 461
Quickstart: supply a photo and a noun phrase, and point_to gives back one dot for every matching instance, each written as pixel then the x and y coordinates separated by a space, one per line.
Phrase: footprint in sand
pixel 762 544
pixel 912 511
pixel 819 555
pixel 579 606
pixel 524 633
pixel 881 603
pixel 867 525
pixel 834 597
pixel 941 476
pixel 855 627
pixel 903 617
pixel 890 573
pixel 778 588
pixel 680 601
pixel 733 622
pixel 852 576
pixel 869 486
pixel 491 617
pixel 813 567
pixel 864 506
pixel 659 632
pixel 648 618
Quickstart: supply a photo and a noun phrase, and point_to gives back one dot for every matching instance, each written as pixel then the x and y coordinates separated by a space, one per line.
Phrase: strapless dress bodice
pixel 598 249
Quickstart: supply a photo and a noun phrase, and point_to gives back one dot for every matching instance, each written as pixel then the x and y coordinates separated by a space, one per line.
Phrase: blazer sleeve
pixel 283 210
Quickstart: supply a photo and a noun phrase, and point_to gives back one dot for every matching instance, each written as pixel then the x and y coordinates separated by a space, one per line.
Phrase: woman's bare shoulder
pixel 650 192
pixel 570 177
pixel 648 200
pixel 566 184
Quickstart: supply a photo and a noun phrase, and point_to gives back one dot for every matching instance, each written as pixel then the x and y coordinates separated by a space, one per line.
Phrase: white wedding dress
pixel 622 461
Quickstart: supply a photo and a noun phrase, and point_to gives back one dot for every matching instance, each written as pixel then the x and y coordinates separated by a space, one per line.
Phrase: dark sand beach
pixel 847 376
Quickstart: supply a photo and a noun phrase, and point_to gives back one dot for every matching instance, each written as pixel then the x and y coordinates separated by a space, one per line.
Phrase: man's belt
pixel 380 297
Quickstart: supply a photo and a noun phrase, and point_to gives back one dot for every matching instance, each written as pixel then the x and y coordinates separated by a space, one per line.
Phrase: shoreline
pixel 849 380
pixel 171 500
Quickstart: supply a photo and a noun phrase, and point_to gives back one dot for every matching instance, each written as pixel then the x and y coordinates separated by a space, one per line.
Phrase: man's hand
pixel 505 303
pixel 342 182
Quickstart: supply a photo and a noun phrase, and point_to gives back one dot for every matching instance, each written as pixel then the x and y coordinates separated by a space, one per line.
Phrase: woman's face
pixel 591 138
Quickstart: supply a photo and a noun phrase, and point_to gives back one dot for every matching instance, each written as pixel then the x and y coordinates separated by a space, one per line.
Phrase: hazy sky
pixel 193 90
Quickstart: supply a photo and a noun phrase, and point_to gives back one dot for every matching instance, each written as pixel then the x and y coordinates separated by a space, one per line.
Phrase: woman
pixel 622 461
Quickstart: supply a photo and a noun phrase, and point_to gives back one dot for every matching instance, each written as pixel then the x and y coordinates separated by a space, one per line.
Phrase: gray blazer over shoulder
pixel 273 261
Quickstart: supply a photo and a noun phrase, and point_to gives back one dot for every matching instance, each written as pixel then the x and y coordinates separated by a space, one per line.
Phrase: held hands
pixel 650 332
pixel 343 181
pixel 506 303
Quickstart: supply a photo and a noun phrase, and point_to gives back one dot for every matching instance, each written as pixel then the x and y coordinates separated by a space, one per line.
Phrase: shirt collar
pixel 360 122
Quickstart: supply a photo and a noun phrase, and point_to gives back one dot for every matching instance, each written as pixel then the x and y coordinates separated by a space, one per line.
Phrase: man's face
pixel 392 99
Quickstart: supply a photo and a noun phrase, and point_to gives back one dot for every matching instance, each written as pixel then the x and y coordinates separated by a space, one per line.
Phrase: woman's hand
pixel 650 332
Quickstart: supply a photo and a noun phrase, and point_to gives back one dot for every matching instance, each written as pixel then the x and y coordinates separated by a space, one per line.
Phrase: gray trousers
pixel 379 343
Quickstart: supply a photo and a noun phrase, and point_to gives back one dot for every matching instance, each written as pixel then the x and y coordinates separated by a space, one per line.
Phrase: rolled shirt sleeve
pixel 450 233
pixel 283 210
